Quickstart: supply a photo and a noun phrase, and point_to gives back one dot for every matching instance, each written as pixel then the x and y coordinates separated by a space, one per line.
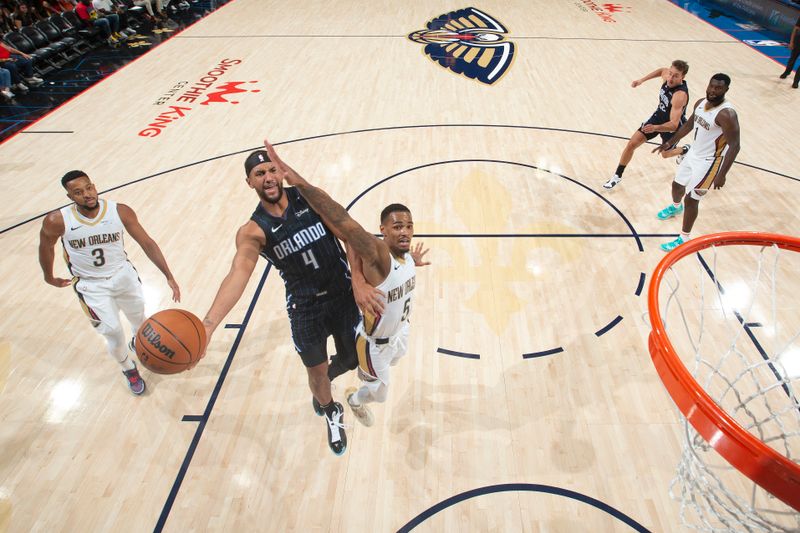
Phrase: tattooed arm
pixel 374 252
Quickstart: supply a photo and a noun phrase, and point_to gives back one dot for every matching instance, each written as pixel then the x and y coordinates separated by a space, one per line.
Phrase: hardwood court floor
pixel 530 257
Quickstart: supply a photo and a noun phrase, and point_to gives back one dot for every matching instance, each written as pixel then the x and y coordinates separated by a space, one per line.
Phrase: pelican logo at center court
pixel 468 42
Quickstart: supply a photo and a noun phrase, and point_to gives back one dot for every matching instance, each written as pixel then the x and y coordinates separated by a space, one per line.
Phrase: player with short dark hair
pixel 713 151
pixel 387 264
pixel 92 231
pixel 290 234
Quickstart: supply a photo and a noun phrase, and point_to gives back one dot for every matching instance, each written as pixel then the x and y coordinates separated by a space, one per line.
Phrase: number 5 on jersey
pixel 406 310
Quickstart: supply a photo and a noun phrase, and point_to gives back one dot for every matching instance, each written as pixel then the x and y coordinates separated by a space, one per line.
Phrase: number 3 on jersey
pixel 308 257
pixel 99 258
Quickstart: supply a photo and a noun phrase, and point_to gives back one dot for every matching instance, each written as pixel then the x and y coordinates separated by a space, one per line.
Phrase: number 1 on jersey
pixel 308 257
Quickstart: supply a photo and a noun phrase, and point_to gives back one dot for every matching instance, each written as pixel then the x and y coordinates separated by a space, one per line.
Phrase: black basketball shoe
pixel 317 407
pixel 337 439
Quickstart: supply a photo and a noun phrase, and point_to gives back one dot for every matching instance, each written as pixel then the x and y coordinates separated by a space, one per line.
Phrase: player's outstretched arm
pixel 658 73
pixel 249 240
pixel 52 230
pixel 151 249
pixel 729 122
pixel 373 251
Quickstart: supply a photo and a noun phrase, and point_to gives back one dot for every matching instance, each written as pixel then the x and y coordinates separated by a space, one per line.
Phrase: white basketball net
pixel 752 372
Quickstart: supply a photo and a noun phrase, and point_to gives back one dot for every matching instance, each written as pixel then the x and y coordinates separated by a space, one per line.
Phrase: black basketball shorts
pixel 312 323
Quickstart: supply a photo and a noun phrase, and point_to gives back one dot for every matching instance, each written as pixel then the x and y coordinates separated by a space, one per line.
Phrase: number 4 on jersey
pixel 308 257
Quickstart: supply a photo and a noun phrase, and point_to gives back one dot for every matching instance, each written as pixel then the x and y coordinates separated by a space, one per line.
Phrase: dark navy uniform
pixel 313 265
pixel 662 113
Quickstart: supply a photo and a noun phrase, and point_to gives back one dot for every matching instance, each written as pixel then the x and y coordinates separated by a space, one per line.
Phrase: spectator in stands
pixel 107 8
pixel 25 16
pixel 794 46
pixel 5 84
pixel 6 17
pixel 54 7
pixel 109 25
pixel 20 67
pixel 148 5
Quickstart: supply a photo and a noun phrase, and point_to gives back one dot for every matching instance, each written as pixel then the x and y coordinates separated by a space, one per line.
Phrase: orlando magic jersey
pixel 661 114
pixel 309 257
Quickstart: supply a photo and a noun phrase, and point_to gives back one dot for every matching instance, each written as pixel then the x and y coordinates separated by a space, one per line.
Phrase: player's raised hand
pixel 283 169
pixel 418 253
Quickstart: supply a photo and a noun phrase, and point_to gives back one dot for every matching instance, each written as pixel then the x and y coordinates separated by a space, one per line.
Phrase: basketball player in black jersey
pixel 312 264
pixel 667 118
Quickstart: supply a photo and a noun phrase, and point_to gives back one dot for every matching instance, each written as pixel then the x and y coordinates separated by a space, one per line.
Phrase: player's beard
pixel 275 200
pixel 86 206
pixel 399 249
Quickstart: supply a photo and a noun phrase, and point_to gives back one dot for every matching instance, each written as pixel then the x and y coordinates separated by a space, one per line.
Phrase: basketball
pixel 170 341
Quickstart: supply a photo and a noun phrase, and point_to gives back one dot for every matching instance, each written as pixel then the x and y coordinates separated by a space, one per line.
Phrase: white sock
pixel 676 206
pixel 685 236
pixel 118 350
pixel 127 364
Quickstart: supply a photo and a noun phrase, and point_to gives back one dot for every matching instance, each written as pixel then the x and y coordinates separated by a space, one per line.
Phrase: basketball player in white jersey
pixel 713 151
pixel 386 264
pixel 92 233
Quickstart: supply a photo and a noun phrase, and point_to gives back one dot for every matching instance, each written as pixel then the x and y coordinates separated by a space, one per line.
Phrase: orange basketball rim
pixel 769 469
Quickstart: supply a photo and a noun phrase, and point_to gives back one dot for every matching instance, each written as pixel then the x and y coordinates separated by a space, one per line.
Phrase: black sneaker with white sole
pixel 334 420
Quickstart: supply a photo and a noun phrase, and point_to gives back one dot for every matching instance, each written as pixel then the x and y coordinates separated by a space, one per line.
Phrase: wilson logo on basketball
pixel 605 11
pixel 468 42
pixel 204 91
pixel 154 339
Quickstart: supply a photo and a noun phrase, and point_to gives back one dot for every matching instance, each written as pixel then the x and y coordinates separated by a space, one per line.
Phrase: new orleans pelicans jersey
pixel 309 257
pixel 399 289
pixel 708 138
pixel 94 247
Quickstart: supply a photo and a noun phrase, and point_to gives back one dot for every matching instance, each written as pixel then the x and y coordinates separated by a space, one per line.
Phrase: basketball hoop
pixel 747 408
